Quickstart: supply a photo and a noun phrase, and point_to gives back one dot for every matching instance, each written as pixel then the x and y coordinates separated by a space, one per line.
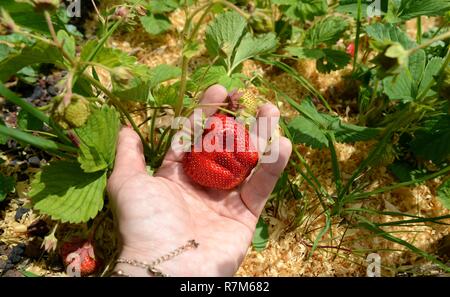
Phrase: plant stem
pixel 11 96
pixel 116 102
pixel 358 32
pixel 429 42
pixel 403 184
pixel 48 18
pixel 419 30
pixel 234 7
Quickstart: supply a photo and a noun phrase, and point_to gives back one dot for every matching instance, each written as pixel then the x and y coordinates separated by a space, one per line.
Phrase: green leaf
pixel 141 85
pixel 165 95
pixel 7 184
pixel 417 63
pixel 29 274
pixel 64 192
pixel 28 75
pixel 161 6
pixel 302 10
pixel 326 31
pixel 261 235
pixel 388 33
pixel 432 70
pixel 206 76
pixel 404 172
pixel 38 53
pixel 349 133
pixel 251 46
pixel 307 109
pixel 191 49
pixel 307 132
pixel 162 73
pixel 28 122
pixel 3 138
pixel 399 87
pixel 232 82
pixel 413 8
pixel 433 141
pixel 351 7
pixel 98 139
pixel 412 81
pixel 312 127
pixel 332 60
pixel 109 57
pixel 155 24
pixel 5 50
pixel 39 142
pixel 305 53
pixel 443 193
pixel 26 16
pixel 68 42
pixel 224 33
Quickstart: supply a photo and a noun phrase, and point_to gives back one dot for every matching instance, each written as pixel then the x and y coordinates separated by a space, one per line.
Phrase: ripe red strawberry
pixel 84 249
pixel 351 49
pixel 223 169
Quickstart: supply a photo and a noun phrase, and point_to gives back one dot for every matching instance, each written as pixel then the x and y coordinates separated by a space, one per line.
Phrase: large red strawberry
pixel 84 251
pixel 229 167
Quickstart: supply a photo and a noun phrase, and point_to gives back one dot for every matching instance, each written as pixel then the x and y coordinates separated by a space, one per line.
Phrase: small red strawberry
pixel 229 167
pixel 351 49
pixel 81 250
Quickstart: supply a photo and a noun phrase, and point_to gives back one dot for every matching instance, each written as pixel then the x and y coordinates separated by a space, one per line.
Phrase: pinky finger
pixel 257 189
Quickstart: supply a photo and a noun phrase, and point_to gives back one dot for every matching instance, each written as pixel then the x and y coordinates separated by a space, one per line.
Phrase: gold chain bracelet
pixel 151 269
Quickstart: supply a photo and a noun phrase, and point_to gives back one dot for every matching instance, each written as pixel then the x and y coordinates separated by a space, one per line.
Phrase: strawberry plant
pixel 395 92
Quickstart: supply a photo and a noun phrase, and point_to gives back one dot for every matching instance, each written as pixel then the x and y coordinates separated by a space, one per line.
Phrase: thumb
pixel 130 153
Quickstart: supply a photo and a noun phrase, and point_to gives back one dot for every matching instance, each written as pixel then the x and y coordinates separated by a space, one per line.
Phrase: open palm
pixel 157 214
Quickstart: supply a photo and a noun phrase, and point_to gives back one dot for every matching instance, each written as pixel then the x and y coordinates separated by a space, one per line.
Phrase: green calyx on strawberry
pixel 224 156
pixel 82 249
pixel 74 114
pixel 244 103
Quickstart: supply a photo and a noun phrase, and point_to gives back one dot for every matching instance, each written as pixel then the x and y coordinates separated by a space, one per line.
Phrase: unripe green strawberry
pixel 77 112
pixel 121 75
pixel 249 103
pixel 261 23
pixel 244 103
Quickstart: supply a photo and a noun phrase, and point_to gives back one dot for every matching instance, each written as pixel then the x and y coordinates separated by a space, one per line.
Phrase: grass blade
pixel 24 105
pixel 39 142
pixel 380 232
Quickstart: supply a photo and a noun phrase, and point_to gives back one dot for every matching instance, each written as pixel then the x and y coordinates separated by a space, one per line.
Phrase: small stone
pixel 37 93
pixel 52 91
pixel 34 162
pixel 20 212
pixel 15 256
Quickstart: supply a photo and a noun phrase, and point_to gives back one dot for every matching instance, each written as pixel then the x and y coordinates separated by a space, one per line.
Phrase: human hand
pixel 157 214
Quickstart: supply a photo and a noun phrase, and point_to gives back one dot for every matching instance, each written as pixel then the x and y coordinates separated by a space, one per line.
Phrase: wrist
pixel 174 261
